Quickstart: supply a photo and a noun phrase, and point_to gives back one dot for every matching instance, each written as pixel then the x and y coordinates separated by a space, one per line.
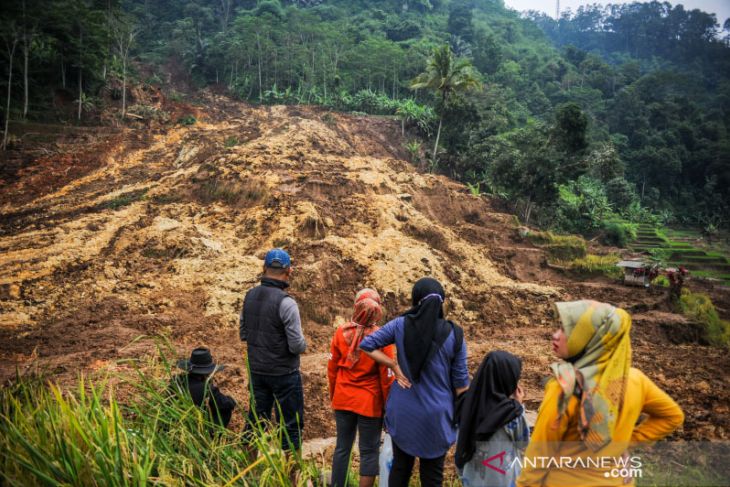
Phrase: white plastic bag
pixel 386 461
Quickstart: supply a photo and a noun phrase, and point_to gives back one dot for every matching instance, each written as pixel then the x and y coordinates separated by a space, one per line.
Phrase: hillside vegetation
pixel 611 112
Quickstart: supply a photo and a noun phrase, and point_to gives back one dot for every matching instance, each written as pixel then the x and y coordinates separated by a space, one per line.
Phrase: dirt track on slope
pixel 162 233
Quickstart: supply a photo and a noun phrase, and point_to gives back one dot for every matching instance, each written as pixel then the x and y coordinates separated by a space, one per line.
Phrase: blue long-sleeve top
pixel 420 419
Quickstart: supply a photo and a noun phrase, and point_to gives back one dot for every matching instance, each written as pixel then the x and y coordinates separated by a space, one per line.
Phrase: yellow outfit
pixel 559 436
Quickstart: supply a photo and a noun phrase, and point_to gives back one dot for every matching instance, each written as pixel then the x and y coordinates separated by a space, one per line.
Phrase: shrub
pixel 582 205
pixel 231 193
pixel 187 120
pixel 414 149
pixel 329 119
pixel 699 307
pixel 122 200
pixel 618 233
pixel 621 193
pixel 660 281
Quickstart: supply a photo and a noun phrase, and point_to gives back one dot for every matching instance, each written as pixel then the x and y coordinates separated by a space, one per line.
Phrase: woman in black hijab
pixel 430 370
pixel 492 425
pixel 426 330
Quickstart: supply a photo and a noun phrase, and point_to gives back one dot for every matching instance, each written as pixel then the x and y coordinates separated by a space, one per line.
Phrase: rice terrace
pixel 154 153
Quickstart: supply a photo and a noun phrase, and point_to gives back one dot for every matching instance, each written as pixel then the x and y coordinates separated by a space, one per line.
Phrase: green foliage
pixel 618 233
pixel 187 120
pixel 446 75
pixel 474 189
pixel 230 142
pixel 582 206
pixel 700 308
pixel 660 281
pixel 660 255
pixel 640 105
pixel 123 200
pixel 559 247
pixel 90 436
pixel 594 265
pixel 413 115
pixel 414 150
pixel 621 194
pixel 570 127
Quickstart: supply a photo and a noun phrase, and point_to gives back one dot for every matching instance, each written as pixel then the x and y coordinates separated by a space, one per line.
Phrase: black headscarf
pixel 425 327
pixel 486 405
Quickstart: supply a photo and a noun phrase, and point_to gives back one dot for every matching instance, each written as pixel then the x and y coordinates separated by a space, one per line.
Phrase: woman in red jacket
pixel 358 390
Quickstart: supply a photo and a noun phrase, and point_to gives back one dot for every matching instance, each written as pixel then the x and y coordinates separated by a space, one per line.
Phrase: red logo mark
pixel 488 462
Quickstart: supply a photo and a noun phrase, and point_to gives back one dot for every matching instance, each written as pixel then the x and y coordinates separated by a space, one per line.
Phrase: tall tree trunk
pixel 11 52
pixel 81 92
pixel 81 70
pixel 394 82
pixel 528 211
pixel 643 186
pixel 26 55
pixel 124 87
pixel 63 73
pixel 324 80
pixel 258 44
pixel 438 135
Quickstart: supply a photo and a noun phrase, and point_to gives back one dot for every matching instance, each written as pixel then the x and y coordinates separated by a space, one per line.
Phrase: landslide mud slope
pixel 166 233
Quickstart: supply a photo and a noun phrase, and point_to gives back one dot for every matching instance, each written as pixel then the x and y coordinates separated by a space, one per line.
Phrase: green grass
pixel 711 262
pixel 88 436
pixel 122 200
pixel 559 247
pixel 187 120
pixel 594 265
pixel 700 308
pixel 701 273
pixel 232 193
pixel 661 473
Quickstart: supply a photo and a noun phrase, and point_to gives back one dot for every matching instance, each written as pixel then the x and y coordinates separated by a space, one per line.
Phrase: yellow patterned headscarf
pixel 600 350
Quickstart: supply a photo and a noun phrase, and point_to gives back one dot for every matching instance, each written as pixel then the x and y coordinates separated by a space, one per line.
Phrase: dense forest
pixel 611 114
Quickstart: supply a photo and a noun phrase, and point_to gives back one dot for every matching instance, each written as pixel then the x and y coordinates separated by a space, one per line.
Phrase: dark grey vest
pixel 268 351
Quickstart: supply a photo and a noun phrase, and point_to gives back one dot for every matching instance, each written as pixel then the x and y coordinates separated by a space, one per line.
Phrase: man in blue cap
pixel 272 329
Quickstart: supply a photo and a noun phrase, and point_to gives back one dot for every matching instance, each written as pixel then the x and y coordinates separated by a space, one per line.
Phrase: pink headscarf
pixel 368 311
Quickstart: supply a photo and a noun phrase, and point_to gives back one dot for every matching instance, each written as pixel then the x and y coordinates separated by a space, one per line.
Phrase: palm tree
pixel 446 75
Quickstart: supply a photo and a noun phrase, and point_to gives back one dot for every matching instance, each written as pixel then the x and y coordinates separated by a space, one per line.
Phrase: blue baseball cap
pixel 277 258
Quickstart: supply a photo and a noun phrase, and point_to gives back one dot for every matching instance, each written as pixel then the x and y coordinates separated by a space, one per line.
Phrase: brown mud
pixel 143 232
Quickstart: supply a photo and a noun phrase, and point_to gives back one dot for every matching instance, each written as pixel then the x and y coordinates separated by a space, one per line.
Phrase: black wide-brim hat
pixel 200 362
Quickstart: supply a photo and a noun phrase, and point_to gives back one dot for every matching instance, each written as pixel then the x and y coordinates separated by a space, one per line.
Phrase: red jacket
pixel 363 388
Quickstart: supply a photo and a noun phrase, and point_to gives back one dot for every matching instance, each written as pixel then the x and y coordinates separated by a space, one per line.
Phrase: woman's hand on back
pixel 400 377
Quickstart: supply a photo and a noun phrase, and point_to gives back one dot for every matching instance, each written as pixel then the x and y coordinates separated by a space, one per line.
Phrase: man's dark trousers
pixel 285 395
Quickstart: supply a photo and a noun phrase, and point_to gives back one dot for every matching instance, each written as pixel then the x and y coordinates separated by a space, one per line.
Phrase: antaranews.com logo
pixel 615 467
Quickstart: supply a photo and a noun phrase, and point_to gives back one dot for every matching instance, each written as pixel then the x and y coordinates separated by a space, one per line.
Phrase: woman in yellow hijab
pixel 587 419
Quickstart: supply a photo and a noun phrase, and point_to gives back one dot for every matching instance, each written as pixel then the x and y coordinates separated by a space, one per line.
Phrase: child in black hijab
pixel 493 430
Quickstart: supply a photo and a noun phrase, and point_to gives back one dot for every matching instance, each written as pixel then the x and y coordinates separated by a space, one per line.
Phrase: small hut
pixel 636 272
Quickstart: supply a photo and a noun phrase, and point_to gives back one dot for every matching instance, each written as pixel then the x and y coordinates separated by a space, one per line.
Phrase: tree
pixel 570 128
pixel 446 75
pixel 10 36
pixel 29 33
pixel 124 33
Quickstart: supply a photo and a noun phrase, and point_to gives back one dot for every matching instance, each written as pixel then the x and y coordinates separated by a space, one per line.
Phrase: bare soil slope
pixel 162 232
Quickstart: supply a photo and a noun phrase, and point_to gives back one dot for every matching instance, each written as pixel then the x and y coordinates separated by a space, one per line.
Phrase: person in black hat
pixel 272 329
pixel 197 382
